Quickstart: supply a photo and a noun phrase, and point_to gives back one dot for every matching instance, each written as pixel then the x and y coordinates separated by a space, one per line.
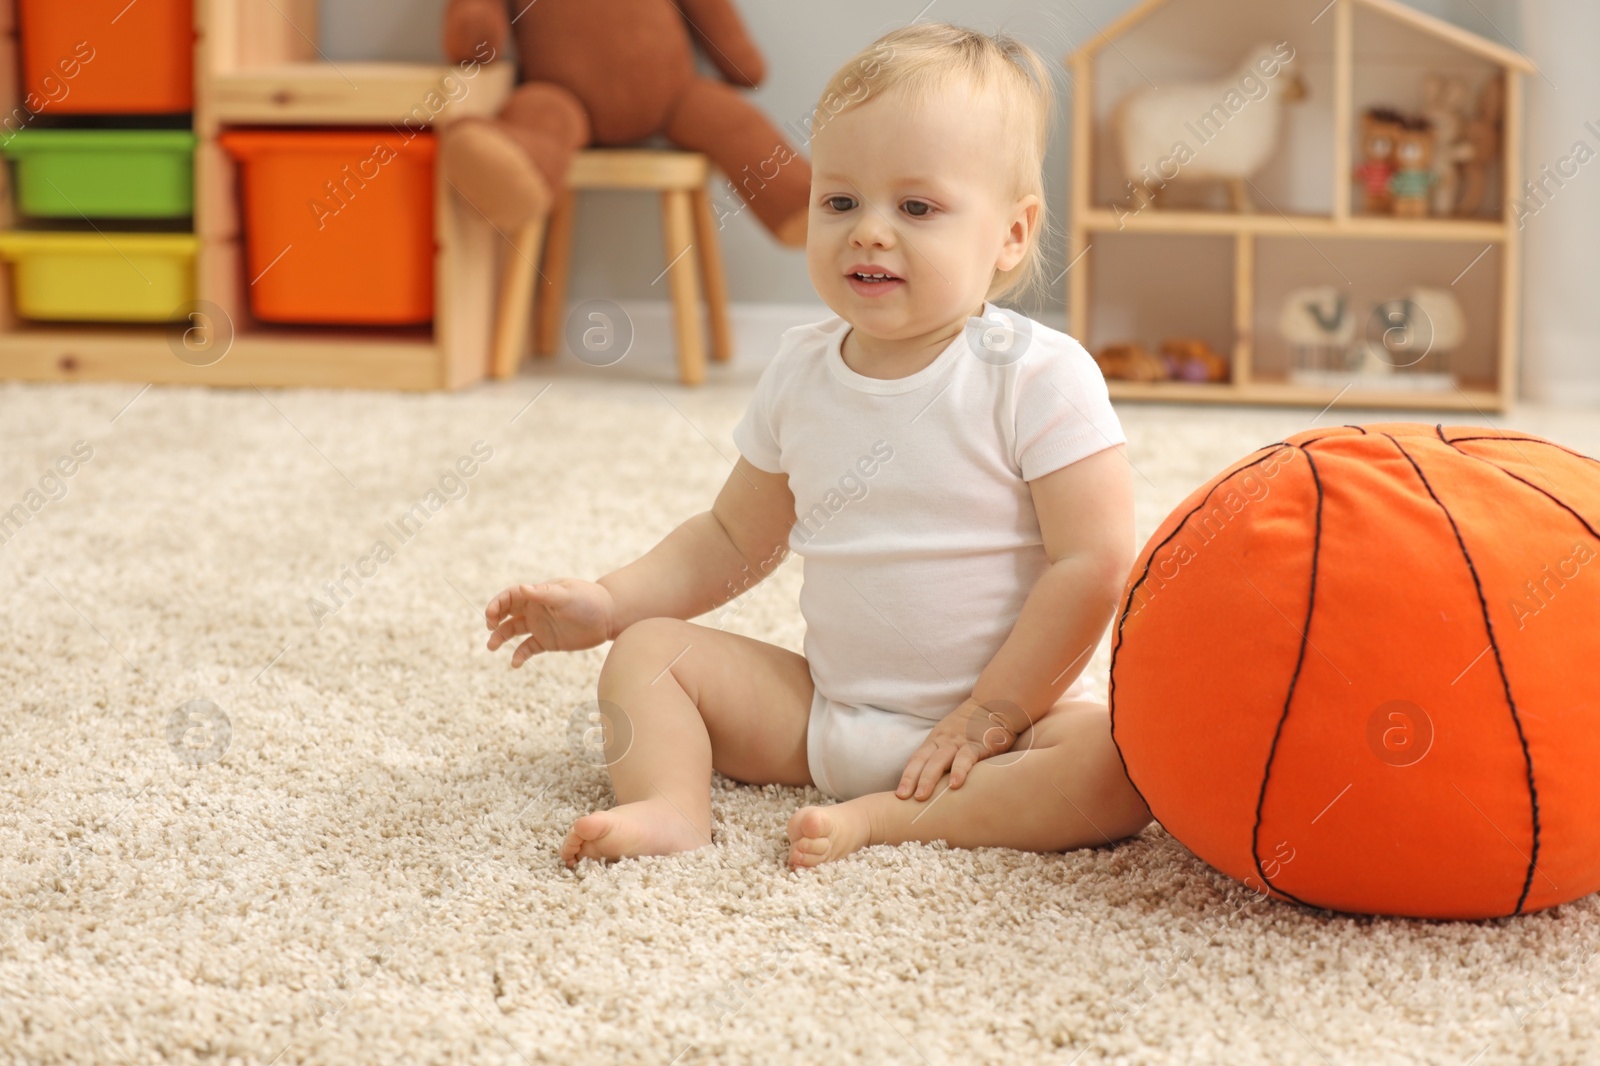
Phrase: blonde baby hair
pixel 925 57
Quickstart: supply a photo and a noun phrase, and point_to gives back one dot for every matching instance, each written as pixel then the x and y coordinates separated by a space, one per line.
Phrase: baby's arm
pixel 705 562
pixel 712 557
pixel 1085 514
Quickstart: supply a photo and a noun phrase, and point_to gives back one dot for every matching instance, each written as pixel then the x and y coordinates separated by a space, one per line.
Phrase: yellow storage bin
pixel 90 277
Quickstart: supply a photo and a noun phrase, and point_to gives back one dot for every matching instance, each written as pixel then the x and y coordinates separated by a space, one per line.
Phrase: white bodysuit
pixel 914 519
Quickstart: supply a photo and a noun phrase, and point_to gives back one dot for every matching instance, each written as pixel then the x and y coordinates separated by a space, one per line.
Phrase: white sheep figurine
pixel 1320 326
pixel 1425 322
pixel 1222 130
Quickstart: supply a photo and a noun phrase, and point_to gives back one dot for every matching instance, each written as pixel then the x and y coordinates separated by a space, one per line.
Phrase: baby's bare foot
pixel 822 834
pixel 648 827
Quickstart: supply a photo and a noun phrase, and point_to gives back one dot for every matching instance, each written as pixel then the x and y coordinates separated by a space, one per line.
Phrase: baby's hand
pixel 562 615
pixel 962 739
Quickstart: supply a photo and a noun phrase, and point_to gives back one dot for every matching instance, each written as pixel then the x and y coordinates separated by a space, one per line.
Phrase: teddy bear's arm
pixel 469 25
pixel 719 29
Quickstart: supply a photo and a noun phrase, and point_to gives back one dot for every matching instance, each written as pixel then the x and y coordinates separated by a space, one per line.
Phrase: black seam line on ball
pixel 1294 683
pixel 1505 682
pixel 1362 429
pixel 1330 435
pixel 1558 501
pixel 1116 645
pixel 1525 440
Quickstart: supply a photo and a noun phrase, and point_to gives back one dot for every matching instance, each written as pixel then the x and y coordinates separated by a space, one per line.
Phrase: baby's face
pixel 924 196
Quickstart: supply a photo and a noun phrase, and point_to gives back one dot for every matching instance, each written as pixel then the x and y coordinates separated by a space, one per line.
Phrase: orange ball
pixel 1360 670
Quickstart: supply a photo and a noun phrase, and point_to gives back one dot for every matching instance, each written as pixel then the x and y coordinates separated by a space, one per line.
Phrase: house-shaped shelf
pixel 1192 264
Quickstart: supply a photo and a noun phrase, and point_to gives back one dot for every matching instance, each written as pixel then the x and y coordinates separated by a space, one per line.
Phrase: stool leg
pixel 552 308
pixel 516 298
pixel 677 218
pixel 716 279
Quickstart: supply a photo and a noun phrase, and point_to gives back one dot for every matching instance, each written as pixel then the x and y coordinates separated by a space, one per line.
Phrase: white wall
pixel 1561 288
pixel 618 250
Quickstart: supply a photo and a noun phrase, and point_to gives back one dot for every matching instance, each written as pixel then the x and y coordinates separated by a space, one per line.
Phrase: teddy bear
pixel 616 74
pixel 1380 131
pixel 1414 175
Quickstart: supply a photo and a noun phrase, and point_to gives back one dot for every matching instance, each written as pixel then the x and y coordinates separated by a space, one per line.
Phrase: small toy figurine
pixel 1161 141
pixel 1414 175
pixel 1319 325
pixel 1444 103
pixel 1192 359
pixel 1129 362
pixel 1426 323
pixel 1380 130
pixel 1482 138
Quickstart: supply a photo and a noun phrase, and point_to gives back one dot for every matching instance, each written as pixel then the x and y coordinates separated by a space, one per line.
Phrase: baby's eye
pixel 927 209
pixel 833 202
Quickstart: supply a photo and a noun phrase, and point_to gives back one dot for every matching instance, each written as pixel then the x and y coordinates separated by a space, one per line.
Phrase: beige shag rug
pixel 346 850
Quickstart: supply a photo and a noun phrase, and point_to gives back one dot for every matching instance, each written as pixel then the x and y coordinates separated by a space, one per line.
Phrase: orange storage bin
pixel 338 225
pixel 107 57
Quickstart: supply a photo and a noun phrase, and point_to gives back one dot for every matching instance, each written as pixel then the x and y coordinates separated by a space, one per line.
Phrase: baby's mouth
pixel 875 278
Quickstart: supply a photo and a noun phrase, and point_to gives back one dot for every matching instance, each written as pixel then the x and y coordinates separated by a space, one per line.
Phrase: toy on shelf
pixel 1380 132
pixel 1413 177
pixel 1482 140
pixel 1379 69
pixel 1207 131
pixel 1130 362
pixel 1426 325
pixel 1192 359
pixel 1443 103
pixel 1407 342
pixel 1427 164
pixel 1320 326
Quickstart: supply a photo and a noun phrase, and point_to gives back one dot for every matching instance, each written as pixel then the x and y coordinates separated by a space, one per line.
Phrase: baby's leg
pixel 1062 786
pixel 691 698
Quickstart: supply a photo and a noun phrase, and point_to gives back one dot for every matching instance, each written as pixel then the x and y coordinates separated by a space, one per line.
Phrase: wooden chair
pixel 693 253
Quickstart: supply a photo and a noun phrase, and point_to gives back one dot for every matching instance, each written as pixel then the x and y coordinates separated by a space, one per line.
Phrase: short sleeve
pixel 1064 410
pixel 756 434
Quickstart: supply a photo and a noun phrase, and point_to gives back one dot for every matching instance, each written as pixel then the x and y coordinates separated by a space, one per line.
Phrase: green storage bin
pixel 104 173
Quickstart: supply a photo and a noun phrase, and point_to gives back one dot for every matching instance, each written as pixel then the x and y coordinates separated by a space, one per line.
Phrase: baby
pixel 953 475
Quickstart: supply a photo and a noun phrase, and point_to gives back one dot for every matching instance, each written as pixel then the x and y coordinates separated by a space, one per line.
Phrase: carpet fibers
pixel 265 797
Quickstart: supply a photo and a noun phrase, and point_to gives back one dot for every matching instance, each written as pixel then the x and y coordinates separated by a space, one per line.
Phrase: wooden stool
pixel 692 250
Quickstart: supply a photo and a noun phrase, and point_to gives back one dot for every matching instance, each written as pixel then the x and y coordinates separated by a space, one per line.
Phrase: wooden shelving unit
pixel 257 64
pixel 1092 220
pixel 1398 229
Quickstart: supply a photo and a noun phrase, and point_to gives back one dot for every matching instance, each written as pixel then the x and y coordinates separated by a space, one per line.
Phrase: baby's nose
pixel 872 229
